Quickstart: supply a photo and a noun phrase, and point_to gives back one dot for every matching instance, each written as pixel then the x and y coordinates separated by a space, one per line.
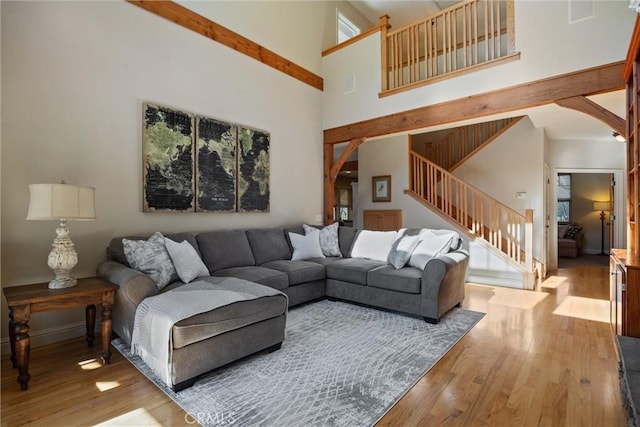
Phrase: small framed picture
pixel 381 186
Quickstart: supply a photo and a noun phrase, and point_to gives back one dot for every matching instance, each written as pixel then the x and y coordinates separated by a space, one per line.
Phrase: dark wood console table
pixel 27 299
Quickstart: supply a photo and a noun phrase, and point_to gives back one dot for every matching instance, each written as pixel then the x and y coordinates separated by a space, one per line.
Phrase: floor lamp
pixel 601 206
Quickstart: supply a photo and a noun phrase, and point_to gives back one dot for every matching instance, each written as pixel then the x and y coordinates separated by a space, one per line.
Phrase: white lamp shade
pixel 61 201
pixel 600 206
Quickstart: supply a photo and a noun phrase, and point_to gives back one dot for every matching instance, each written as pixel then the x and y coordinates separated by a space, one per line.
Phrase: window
pixel 346 28
pixel 563 192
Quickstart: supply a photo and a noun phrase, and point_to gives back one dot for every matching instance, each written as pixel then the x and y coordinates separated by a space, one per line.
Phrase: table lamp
pixel 61 202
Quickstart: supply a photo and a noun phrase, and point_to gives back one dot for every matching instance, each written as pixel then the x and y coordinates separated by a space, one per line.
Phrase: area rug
pixel 340 365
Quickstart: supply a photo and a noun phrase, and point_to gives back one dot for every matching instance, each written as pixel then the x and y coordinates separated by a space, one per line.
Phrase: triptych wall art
pixel 200 164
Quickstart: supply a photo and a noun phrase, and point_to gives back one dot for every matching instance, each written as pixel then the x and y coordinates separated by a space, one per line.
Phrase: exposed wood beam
pixel 605 78
pixel 201 25
pixel 353 146
pixel 587 106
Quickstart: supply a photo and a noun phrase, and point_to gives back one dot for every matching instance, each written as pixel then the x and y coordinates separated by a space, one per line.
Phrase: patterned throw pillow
pixel 151 257
pixel 572 232
pixel 328 239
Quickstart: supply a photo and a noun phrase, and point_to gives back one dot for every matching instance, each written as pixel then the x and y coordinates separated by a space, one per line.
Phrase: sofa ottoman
pixel 206 324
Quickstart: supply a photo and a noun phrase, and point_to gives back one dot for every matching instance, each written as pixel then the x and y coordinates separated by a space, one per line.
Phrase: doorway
pixel 581 197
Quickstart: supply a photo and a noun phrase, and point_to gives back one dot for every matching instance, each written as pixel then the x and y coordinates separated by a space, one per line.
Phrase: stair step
pixel 495 278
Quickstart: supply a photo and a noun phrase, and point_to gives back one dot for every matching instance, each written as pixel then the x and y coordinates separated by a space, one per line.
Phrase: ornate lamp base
pixel 62 283
pixel 62 258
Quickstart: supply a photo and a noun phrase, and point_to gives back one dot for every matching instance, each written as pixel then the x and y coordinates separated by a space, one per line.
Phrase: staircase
pixel 464 141
pixel 489 222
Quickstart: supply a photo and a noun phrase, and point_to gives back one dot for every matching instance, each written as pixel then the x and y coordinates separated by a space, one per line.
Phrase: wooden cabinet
pixel 630 73
pixel 383 220
pixel 625 293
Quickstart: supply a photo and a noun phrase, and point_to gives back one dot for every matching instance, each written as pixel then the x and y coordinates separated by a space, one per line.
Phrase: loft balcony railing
pixel 465 36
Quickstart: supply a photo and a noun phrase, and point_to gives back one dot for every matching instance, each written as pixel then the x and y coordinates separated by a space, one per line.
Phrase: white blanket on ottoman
pixel 152 339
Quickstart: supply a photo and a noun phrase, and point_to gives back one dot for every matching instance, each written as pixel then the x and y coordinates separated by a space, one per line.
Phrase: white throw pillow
pixel 374 245
pixel 328 239
pixel 431 246
pixel 307 246
pixel 401 251
pixel 151 257
pixel 185 260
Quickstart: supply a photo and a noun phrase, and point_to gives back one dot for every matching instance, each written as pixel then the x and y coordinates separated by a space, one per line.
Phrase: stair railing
pixel 463 141
pixel 481 215
pixel 459 37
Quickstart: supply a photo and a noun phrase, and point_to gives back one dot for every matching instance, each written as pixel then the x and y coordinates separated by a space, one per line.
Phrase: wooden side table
pixel 27 299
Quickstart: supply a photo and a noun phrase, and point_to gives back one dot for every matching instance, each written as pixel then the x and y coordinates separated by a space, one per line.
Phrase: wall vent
pixel 350 84
pixel 579 10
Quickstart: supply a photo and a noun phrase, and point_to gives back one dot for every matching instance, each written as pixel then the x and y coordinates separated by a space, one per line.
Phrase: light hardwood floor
pixel 541 358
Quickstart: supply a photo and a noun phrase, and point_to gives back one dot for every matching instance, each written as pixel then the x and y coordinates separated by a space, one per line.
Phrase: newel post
pixel 528 246
pixel 384 28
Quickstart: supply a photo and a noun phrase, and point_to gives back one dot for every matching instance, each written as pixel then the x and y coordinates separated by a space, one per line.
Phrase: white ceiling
pixel 401 12
pixel 558 122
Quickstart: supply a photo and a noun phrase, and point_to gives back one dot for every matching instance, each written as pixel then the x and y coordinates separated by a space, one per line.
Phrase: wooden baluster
pixel 475 37
pixel 486 30
pixel 384 54
pixel 499 33
pixel 493 34
pixel 455 39
pixel 511 32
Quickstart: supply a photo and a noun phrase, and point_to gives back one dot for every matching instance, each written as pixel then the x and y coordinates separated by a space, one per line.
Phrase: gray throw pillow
pixel 307 246
pixel 402 250
pixel 151 257
pixel 186 260
pixel 328 239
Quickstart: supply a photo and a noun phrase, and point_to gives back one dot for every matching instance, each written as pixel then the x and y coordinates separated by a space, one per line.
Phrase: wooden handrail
pixel 483 216
pixel 464 141
pixel 461 36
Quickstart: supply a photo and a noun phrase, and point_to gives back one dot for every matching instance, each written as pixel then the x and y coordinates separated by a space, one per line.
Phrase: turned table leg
pixel 22 343
pixel 90 316
pixel 12 338
pixel 105 325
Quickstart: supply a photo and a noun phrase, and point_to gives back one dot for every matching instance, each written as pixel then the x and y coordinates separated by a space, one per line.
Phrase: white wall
pixel 549 46
pixel 74 77
pixel 297 30
pixel 511 164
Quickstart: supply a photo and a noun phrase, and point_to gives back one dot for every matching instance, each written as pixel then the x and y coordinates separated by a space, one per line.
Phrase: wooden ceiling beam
pixel 216 32
pixel 337 166
pixel 591 81
pixel 587 106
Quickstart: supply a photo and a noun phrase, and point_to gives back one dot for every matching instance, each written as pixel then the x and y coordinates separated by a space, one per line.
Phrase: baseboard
pixel 496 278
pixel 49 336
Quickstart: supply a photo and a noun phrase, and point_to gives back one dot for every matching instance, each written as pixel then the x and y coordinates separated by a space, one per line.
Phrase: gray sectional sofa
pixel 263 256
